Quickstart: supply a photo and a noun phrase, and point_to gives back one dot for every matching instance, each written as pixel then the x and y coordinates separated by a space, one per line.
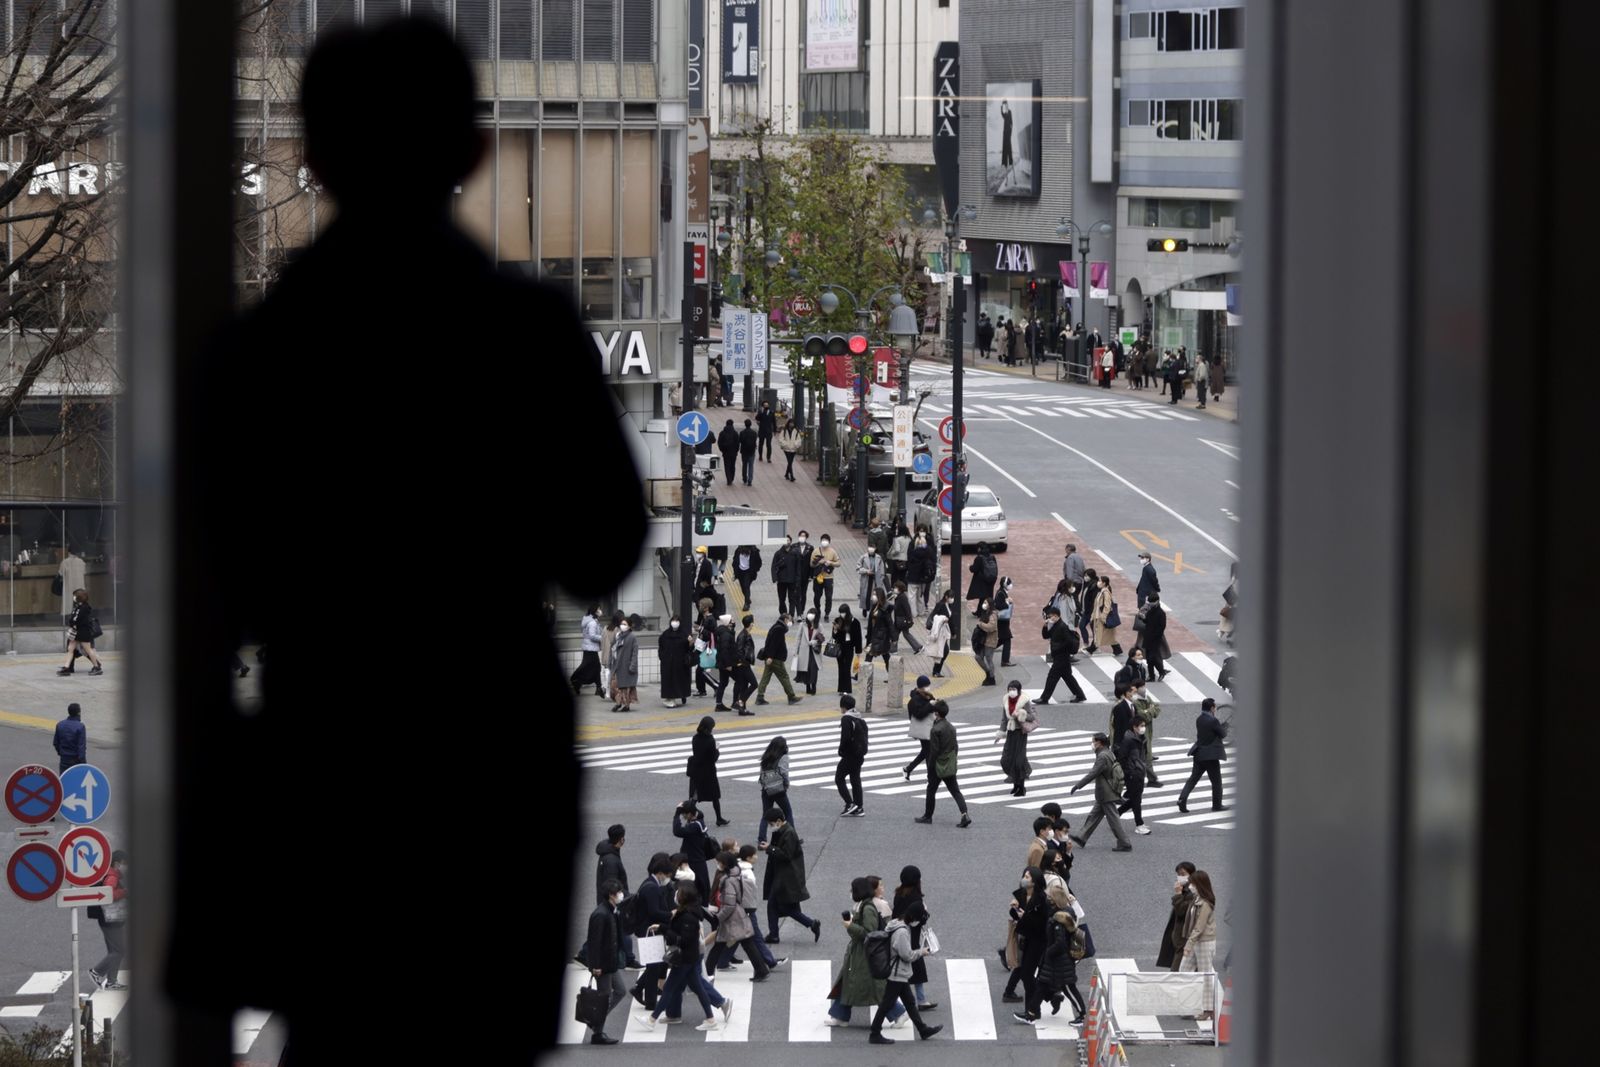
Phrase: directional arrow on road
pixel 1152 538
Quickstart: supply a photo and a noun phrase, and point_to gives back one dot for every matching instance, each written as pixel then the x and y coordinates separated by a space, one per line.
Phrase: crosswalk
pixel 1060 758
pixel 1029 405
pixel 969 1009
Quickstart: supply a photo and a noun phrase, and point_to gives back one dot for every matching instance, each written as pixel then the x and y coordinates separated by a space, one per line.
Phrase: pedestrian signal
pixel 705 524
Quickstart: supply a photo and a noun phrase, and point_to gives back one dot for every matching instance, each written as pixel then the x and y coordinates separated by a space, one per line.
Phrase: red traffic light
pixel 858 344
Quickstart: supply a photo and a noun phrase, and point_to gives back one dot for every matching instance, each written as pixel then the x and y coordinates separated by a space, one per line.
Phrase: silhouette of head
pixel 399 90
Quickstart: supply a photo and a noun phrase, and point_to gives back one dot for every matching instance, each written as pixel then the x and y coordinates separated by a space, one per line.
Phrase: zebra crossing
pixel 1060 758
pixel 970 1008
pixel 1032 406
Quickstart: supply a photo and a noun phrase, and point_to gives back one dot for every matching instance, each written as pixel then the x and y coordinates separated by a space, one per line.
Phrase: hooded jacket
pixel 610 866
pixel 919 710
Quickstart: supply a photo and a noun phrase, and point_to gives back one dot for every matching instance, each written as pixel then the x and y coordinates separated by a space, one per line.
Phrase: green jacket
pixel 942 748
pixel 857 987
pixel 1147 708
pixel 1100 775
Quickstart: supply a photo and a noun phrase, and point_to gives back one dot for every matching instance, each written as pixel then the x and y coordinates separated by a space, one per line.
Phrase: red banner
pixel 885 378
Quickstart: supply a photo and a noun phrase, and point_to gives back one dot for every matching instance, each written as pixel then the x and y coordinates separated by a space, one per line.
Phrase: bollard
pixel 1224 1022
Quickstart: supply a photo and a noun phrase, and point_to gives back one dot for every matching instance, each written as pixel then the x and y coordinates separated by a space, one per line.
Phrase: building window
pixel 1230 27
pixel 475 28
pixel 516 29
pixel 1206 29
pixel 1139 25
pixel 1138 112
pixel 1195 120
pixel 837 99
pixel 1150 213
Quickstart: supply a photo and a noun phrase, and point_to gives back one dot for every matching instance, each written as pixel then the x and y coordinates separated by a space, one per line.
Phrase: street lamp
pixel 903 330
pixel 1064 231
pixel 902 324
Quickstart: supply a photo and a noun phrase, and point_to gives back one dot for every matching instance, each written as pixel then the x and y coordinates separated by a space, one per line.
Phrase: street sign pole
pixel 686 453
pixel 957 443
pixel 77 1003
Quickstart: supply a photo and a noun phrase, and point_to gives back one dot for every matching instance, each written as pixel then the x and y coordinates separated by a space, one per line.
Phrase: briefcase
pixel 593 1006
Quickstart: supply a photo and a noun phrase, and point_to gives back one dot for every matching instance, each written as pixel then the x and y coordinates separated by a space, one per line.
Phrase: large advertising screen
pixel 833 35
pixel 1012 138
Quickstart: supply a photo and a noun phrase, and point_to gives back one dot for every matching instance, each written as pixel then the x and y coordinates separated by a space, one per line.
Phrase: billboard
pixel 741 39
pixel 833 35
pixel 1012 138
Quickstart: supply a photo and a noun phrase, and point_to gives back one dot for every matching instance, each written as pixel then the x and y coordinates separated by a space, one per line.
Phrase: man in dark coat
pixel 985 335
pixel 852 751
pixel 654 909
pixel 1131 754
pixel 1030 336
pixel 984 571
pixel 728 445
pixel 1149 581
pixel 785 882
pixel 782 573
pixel 1063 646
pixel 803 552
pixel 1208 753
pixel 774 658
pixel 609 867
pixel 604 952
pixel 746 568
pixel 1153 638
pixel 766 426
pixel 747 452
pixel 72 738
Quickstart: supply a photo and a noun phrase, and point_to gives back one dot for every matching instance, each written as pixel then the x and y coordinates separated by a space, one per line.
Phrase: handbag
pixel 1031 723
pixel 1138 623
pixel 593 1006
pixel 1010 951
pixel 1113 618
pixel 708 660
pixel 831 650
pixel 652 948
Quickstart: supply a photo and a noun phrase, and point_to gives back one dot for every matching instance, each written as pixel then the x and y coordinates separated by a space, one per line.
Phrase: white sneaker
pixel 828 1020
pixel 1141 829
pixel 899 1024
pixel 708 1025
pixel 646 1020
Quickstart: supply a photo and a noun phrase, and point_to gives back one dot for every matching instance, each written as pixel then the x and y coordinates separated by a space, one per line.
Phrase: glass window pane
pixel 639 192
pixel 1230 27
pixel 670 288
pixel 1135 211
pixel 515 198
pixel 1179 31
pixel 557 182
pixel 1230 120
pixel 1139 25
pixel 598 296
pixel 1138 112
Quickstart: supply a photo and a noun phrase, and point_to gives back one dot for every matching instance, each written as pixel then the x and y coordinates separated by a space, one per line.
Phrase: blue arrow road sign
pixel 85 793
pixel 922 463
pixel 693 427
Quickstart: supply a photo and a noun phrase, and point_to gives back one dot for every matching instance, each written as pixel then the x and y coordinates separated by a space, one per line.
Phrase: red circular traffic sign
pixel 947 470
pixel 804 307
pixel 857 418
pixel 946 433
pixel 34 872
pixel 33 794
pixel 947 501
pixel 85 855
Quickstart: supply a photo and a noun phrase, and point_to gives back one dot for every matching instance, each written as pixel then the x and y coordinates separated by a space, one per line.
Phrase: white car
pixel 983 519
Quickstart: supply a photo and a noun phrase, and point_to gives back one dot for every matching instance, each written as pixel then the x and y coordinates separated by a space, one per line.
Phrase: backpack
pixel 1117 779
pixel 880 955
pixel 977 639
pixel 628 914
pixel 859 738
pixel 771 781
pixel 991 569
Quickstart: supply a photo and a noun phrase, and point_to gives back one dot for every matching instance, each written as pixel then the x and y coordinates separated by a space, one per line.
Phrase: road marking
pixel 809 982
pixel 1003 472
pixel 40 982
pixel 1230 485
pixel 1016 410
pixel 1224 549
pixel 971 1006
pixel 1074 412
pixel 1229 514
pixel 1227 450
pixel 247 1024
pixel 1097 411
pixel 735 986
pixel 1108 559
pixel 1158 415
pixel 1125 413
pixel 1047 411
pixel 992 411
pixel 1181 685
pixel 1109 665
pixel 1057 516
pixel 1209 668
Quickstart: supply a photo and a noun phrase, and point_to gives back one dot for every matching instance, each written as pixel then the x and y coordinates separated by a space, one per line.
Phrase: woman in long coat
pixel 909 892
pixel 847 643
pixel 1014 757
pixel 625 665
pixel 880 628
pixel 607 637
pixel 674 647
pixel 856 988
pixel 702 768
pixel 937 646
pixel 921 567
pixel 1103 634
pixel 804 665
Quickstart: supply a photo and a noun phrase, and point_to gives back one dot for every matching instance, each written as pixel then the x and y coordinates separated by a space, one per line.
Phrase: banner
pixel 947 122
pixel 741 33
pixel 735 340
pixel 758 340
pixel 841 373
pixel 1069 273
pixel 1099 280
pixel 833 35
pixel 697 57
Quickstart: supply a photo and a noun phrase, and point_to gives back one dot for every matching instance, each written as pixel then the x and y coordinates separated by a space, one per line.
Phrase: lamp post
pixel 1065 230
pixel 958 298
pixel 722 241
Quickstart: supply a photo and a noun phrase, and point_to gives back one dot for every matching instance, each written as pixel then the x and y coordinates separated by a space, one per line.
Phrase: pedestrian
pixel 714 385
pixel 1230 601
pixel 869 568
pixel 785 566
pixel 113 919
pixel 748 440
pixel 855 987
pixel 1063 646
pixel 1002 614
pixel 683 933
pixel 1058 969
pixel 608 867
pixel 942 765
pixel 984 631
pixel 1030 339
pixel 735 900
pixel 747 870
pixel 1065 601
pixel 603 953
pixel 72 738
pixel 984 572
pixel 937 646
pixel 1108 367
pixel 922 566
pixel 1122 716
pixel 1170 954
pixel 588 669
pixel 746 568
pixel 785 884
pixel 1131 754
pixel 852 753
pixel 1152 626
pixel 880 627
pixel 906 957
pixel 809 641
pixel 1083 605
pixel 1200 934
pixel 907 897
pixel 1106 618
pixel 985 335
pixel 1030 910
pixel 766 427
pixel 1208 753
pixel 790 441
pixel 819 573
pixel 1216 378
pixel 1134 669
pixel 689 824
pixel 676 650
pixel 1146 707
pixel 1072 566
pixel 774 659
pixel 899 550
pixel 1105 774
pixel 1014 717
pixel 919 716
pixel 846 645
pixel 804 554
pixel 1011 342
pixel 724 646
pixel 83 627
pixel 1202 377
pixel 702 768
pixel 625 665
pixel 774 781
pixel 728 445
pixel 654 909
pixel 1042 843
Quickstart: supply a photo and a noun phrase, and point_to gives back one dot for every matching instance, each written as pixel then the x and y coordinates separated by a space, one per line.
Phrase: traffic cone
pixel 1225 1016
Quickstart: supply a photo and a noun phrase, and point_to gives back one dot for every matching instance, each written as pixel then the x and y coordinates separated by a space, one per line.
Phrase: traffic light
pixel 1167 244
pixel 1033 289
pixel 856 344
pixel 961 489
pixel 705 524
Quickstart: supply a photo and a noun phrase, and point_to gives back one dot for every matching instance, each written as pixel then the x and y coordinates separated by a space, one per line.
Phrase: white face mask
pixel 1183 879
pixel 674 624
pixel 811 616
pixel 824 542
pixel 624 627
pixel 616 899
pixel 872 552
pixel 1025 884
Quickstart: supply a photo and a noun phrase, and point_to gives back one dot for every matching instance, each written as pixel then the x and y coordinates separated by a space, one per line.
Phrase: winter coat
pixel 938 642
pixel 904 617
pixel 898 907
pixel 1063 642
pixel 733 925
pixel 1130 753
pixel 72 741
pixel 847 638
pixel 1103 634
pixel 898 547
pixel 728 442
pixel 1058 969
pixel 853 738
pixel 1154 635
pixel 702 768
pixel 684 931
pixel 920 565
pixel 727 648
pixel 1148 583
pixel 785 566
pixel 1072 568
pixel 790 441
pixel 1030 927
pixel 605 940
pixel 766 422
pixel 1200 924
pixel 1208 733
pixel 655 904
pixel 1146 708
pixel 786 868
pixel 776 648
pixel 870 568
pixel 697 848
pixel 609 866
pixel 807 647
pixel 748 439
pixel 903 953
pixel 754 555
pixel 984 571
pixel 608 637
pixel 1121 723
pixel 1100 775
pixel 821 561
pixel 1014 759
pixel 857 987
pixel 988 627
pixel 804 558
pixel 591 633
pixel 1168 956
pixel 625 660
pixel 674 648
pixel 880 630
pixel 919 712
pixel 942 746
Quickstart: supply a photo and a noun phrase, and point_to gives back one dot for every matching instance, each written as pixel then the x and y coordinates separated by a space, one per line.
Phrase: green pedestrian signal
pixel 705 524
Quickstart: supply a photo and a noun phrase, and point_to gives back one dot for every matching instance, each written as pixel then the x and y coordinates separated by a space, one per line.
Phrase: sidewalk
pixel 1225 407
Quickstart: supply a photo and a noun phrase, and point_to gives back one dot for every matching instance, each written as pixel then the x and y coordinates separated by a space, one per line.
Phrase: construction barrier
pixel 1099 1043
pixel 1161 1006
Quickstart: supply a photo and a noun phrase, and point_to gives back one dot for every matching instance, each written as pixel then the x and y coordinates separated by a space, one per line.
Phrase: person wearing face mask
pixel 654 909
pixel 899 549
pixel 984 629
pixel 790 442
pixel 746 567
pixel 880 627
pixel 905 618
pixel 804 558
pixel 720 639
pixel 820 569
pixel 870 569
pixel 1103 775
pixel 1063 646
pixel 1133 668
pixel 1030 910
pixel 855 986
pixel 938 645
pixel 1002 615
pixel 847 644
pixel 702 767
pixel 853 744
pixel 922 566
pixel 985 571
pixel 604 953
pixel 1146 708
pixel 743 671
pixel 774 660
pixel 1130 753
pixel 908 901
pixel 807 650
pixel 1168 957
pixel 676 652
pixel 736 898
pixel 919 712
pixel 1106 618
pixel 943 761
pixel 1013 720
pixel 588 672
pixel 785 565
pixel 625 665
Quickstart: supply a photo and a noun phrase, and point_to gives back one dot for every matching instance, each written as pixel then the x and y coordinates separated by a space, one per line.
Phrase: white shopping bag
pixel 930 940
pixel 652 949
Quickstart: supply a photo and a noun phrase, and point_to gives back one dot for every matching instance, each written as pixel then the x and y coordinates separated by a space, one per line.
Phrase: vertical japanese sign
pixel 697 57
pixel 903 441
pixel 697 206
pixel 736 340
pixel 741 39
pixel 758 340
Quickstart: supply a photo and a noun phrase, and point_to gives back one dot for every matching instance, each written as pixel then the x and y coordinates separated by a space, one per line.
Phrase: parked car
pixel 983 519
pixel 880 455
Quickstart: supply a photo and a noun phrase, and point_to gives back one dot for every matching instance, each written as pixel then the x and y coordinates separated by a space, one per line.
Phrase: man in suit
pixel 1208 755
pixel 1153 639
pixel 1063 646
pixel 1072 566
pixel 1148 581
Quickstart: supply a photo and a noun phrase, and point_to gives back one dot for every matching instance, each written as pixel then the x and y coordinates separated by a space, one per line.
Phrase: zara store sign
pixel 1013 257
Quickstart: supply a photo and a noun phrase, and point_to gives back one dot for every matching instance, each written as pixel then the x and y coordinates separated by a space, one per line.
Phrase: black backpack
pixel 859 738
pixel 991 569
pixel 628 915
pixel 880 954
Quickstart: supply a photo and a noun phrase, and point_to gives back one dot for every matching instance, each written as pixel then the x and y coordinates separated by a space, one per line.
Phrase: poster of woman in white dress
pixel 1011 157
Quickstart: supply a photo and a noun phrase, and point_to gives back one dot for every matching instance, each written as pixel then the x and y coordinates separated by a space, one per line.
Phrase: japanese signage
pixel 1099 279
pixel 697 57
pixel 698 202
pixel 833 35
pixel 736 340
pixel 741 37
pixel 759 324
pixel 903 442
pixel 947 122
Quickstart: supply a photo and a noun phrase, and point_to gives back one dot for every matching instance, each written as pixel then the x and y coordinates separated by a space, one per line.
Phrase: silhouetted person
pixel 322 468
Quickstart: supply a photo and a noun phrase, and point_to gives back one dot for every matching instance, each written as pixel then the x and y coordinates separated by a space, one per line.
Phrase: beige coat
pixel 1103 634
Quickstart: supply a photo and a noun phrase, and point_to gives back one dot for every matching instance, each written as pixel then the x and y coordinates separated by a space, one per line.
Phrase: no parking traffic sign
pixel 33 794
pixel 947 470
pixel 34 872
pixel 947 501
pixel 85 855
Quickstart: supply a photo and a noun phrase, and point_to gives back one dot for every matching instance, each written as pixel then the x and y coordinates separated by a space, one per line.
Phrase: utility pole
pixel 686 452
pixel 958 427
